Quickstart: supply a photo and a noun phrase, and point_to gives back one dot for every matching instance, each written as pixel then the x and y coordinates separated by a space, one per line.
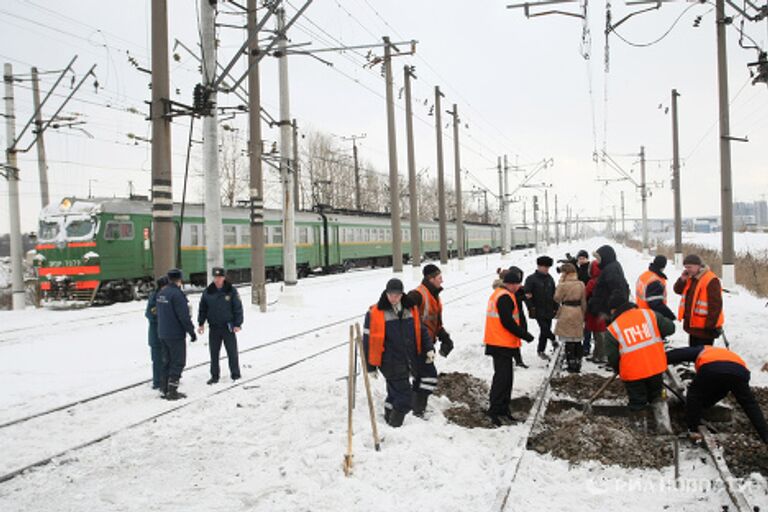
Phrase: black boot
pixel 396 418
pixel 387 414
pixel 419 403
pixel 579 356
pixel 173 391
pixel 213 380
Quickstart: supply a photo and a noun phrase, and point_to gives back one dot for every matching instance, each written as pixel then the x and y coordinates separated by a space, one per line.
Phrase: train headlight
pixel 91 257
pixel 38 260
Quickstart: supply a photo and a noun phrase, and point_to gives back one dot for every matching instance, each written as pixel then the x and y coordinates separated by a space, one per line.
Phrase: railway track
pixel 60 414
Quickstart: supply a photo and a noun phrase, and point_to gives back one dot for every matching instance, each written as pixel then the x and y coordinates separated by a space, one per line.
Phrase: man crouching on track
pixel 173 324
pixel 503 332
pixel 397 342
pixel 426 297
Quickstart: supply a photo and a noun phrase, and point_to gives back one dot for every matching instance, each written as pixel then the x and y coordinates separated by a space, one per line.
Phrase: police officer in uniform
pixel 156 351
pixel 173 324
pixel 221 307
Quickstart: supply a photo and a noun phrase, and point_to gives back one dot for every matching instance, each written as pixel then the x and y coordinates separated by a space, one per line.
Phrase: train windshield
pixel 49 230
pixel 79 228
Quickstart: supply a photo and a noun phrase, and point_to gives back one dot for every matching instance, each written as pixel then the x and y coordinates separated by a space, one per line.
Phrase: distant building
pixel 750 215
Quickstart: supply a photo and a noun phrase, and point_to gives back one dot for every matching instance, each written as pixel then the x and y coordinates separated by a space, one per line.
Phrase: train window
pixel 115 230
pixel 230 234
pixel 245 235
pixel 303 235
pixel 80 228
pixel 277 234
pixel 48 230
pixel 381 234
pixel 197 234
pixel 388 234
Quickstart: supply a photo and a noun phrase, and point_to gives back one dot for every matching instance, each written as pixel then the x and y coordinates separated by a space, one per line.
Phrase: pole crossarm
pixel 526 6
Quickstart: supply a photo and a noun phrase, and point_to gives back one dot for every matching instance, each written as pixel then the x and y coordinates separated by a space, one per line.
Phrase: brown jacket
pixel 571 296
pixel 715 306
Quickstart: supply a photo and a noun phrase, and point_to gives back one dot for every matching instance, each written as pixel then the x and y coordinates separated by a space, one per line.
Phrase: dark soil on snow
pixel 583 386
pixel 743 450
pixel 576 437
pixel 470 396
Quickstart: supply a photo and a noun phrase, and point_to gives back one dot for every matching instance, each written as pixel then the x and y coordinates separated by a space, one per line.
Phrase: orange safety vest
pixel 643 281
pixel 377 329
pixel 431 310
pixel 495 333
pixel 700 308
pixel 641 348
pixel 717 354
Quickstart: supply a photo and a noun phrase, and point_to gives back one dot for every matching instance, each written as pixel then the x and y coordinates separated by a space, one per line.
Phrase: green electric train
pixel 101 249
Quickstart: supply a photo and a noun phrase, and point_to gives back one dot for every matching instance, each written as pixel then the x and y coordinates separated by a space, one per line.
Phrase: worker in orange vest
pixel 701 305
pixel 503 332
pixel 426 297
pixel 397 342
pixel 718 372
pixel 651 288
pixel 635 349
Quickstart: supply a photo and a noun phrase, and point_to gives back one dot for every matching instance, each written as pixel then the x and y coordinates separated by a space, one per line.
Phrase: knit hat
pixel 175 274
pixel 660 261
pixel 692 259
pixel 582 253
pixel 544 261
pixel 161 281
pixel 394 285
pixel 430 270
pixel 513 276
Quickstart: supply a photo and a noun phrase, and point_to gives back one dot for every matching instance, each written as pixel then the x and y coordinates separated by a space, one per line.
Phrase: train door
pixel 146 249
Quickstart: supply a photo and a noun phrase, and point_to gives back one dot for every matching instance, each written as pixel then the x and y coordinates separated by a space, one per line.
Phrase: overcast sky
pixel 521 85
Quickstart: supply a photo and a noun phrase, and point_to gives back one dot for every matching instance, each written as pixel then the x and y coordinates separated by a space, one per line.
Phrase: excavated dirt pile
pixel 743 450
pixel 576 437
pixel 470 395
pixel 583 386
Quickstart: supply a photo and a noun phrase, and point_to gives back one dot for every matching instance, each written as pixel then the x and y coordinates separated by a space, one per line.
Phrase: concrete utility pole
pixel 623 227
pixel 258 288
pixel 12 172
pixel 644 197
pixel 726 190
pixel 163 229
pixel 296 166
pixel 214 235
pixel 502 208
pixel 441 179
pixel 457 177
pixel 535 222
pixel 412 190
pixel 676 183
pixel 42 165
pixel 557 225
pixel 358 193
pixel 394 188
pixel 546 218
pixel 286 174
pixel 507 199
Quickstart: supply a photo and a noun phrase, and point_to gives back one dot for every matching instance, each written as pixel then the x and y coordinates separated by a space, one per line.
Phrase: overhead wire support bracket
pixel 526 6
pixel 611 27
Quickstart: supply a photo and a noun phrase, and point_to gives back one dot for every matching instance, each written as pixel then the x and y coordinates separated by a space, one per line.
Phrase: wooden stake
pixel 366 380
pixel 348 456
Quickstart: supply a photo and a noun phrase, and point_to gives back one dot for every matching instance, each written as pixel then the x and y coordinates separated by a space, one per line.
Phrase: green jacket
pixel 666 328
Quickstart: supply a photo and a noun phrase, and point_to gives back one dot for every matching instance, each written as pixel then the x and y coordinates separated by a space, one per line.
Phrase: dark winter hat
pixel 429 271
pixel 218 272
pixel 513 276
pixel 544 261
pixel 394 285
pixel 660 261
pixel 175 274
pixel 161 281
pixel 616 300
pixel 582 253
pixel 692 259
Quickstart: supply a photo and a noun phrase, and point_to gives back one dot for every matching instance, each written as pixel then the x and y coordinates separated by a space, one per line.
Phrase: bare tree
pixel 233 165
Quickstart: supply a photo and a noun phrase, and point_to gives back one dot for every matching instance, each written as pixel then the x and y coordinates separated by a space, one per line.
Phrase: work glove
pixel 446 345
pixel 372 371
pixel 192 337
pixel 430 357
pixel 532 312
pixel 528 337
pixel 718 332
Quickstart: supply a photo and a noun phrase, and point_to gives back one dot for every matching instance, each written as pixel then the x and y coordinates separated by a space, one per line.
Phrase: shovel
pixel 588 405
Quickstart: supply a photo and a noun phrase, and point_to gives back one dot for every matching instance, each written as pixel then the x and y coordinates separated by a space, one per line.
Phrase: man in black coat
pixel 540 301
pixel 582 266
pixel 173 324
pixel 611 281
pixel 220 305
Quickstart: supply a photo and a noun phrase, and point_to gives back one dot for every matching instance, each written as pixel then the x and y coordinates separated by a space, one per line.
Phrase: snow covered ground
pixel 277 442
pixel 754 243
